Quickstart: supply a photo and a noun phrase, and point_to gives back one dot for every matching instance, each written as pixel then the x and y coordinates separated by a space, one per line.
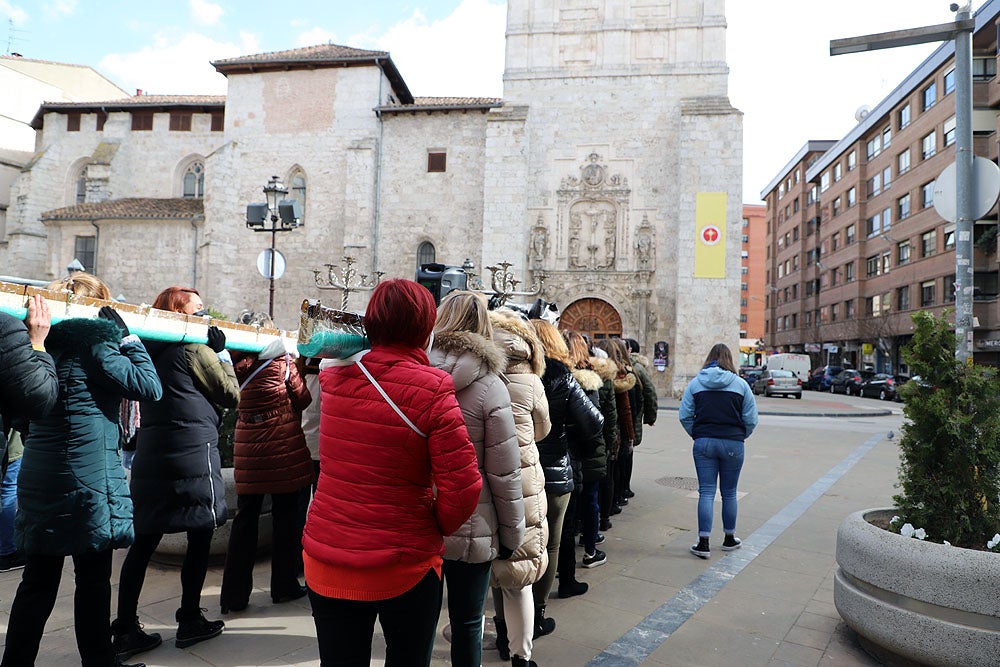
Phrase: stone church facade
pixel 615 116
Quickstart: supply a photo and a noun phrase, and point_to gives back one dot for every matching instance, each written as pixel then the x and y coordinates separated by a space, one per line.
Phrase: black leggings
pixel 193 571
pixel 36 597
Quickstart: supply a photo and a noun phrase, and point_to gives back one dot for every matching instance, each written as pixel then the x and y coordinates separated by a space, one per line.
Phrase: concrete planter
pixel 173 546
pixel 921 601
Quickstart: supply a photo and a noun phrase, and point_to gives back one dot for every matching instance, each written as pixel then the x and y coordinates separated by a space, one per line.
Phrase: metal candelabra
pixel 346 282
pixel 503 283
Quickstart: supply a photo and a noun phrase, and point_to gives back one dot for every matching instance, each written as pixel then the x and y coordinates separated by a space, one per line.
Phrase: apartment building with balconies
pixel 856 245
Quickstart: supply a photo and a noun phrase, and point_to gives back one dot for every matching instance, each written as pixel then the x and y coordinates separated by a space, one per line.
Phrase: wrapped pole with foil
pixel 144 321
pixel 330 333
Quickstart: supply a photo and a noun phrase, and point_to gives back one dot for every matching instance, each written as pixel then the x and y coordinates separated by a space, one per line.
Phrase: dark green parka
pixel 71 492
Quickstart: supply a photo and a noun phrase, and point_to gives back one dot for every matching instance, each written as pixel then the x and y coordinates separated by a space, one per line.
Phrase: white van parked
pixel 797 363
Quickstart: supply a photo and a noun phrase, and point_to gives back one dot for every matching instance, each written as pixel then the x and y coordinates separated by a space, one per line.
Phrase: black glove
pixel 109 313
pixel 505 552
pixel 216 339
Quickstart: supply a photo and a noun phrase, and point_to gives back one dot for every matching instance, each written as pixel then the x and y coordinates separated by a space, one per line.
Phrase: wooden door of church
pixel 594 317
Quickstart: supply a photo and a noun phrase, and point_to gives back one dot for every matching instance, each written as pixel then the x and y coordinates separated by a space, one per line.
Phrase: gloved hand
pixel 505 552
pixel 109 313
pixel 216 339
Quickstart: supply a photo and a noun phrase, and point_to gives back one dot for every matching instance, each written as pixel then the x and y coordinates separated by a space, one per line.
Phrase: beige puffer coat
pixel 475 364
pixel 525 365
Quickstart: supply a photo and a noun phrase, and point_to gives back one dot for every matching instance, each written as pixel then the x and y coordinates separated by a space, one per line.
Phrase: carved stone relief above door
pixel 592 219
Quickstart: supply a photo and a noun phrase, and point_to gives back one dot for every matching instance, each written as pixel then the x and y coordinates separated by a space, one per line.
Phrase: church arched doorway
pixel 594 317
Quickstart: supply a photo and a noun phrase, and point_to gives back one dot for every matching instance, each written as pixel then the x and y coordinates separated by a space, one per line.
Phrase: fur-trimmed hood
pixel 81 332
pixel 624 383
pixel 641 359
pixel 518 340
pixel 466 356
pixel 604 367
pixel 588 379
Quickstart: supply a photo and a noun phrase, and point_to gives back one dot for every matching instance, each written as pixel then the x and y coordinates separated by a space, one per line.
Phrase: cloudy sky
pixel 781 74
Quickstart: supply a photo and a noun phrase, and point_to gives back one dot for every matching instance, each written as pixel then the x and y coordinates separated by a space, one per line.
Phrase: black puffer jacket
pixel 28 385
pixel 176 473
pixel 569 409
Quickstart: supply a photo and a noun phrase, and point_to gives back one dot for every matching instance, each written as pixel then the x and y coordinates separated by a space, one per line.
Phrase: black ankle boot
pixel 543 626
pixel 193 627
pixel 518 661
pixel 503 644
pixel 128 638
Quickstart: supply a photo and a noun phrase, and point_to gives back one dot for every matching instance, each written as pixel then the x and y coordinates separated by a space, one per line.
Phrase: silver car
pixel 778 383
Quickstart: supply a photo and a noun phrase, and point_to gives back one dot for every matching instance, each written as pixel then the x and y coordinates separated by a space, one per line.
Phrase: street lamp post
pixel 284 216
pixel 961 32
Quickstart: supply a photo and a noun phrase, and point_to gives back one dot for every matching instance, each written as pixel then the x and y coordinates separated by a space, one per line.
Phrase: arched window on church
pixel 81 185
pixel 425 253
pixel 298 191
pixel 194 181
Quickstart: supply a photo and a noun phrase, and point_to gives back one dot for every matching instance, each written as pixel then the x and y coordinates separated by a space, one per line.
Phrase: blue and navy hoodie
pixel 718 404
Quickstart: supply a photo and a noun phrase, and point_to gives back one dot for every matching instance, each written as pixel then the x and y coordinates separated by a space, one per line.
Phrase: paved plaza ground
pixel 810 463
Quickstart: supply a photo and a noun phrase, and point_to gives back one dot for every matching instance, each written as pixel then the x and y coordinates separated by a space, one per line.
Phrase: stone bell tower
pixel 616 115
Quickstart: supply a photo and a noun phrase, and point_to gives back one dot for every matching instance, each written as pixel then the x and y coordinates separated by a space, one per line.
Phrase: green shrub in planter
pixel 950 447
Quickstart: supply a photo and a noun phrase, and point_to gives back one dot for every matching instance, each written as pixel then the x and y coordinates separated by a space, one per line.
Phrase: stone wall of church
pixel 606 78
pixel 332 141
pixel 119 163
pixel 138 258
pixel 443 208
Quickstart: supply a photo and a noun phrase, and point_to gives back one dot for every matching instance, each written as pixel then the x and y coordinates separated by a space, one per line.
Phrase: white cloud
pixel 13 12
pixel 315 36
pixel 205 13
pixel 176 67
pixel 58 9
pixel 460 55
pixel 789 87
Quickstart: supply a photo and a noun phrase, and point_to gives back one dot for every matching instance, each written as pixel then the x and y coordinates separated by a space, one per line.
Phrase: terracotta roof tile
pixel 320 52
pixel 130 209
pixel 144 100
pixel 455 101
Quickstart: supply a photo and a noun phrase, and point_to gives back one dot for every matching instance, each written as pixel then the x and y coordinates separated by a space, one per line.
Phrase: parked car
pixel 883 385
pixel 821 377
pixel 750 374
pixel 849 381
pixel 779 382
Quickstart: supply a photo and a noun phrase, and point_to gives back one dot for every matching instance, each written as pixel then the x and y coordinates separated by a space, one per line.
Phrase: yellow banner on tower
pixel 710 235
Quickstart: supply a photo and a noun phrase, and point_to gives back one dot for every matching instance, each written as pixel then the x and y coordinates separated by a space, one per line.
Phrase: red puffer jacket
pixel 270 453
pixel 376 504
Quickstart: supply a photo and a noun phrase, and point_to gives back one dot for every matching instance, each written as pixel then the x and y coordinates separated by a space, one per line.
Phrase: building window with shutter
pixel 180 121
pixel 73 121
pixel 142 121
pixel 437 161
pixel 218 121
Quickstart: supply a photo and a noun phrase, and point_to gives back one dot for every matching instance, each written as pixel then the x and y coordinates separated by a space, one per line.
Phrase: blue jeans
pixel 8 508
pixel 467 585
pixel 717 460
pixel 590 514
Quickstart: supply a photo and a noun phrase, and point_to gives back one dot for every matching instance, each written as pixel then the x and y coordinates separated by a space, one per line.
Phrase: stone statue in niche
pixel 539 244
pixel 644 245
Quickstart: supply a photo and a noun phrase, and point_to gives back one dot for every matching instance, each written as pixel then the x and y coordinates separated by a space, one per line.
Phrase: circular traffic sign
pixel 264 263
pixel 985 189
pixel 710 235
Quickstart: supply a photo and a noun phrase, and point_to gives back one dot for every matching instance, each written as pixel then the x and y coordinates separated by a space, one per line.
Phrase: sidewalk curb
pixel 871 413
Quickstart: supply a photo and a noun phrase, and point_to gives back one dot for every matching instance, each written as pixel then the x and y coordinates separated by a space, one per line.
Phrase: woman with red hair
pixel 397 473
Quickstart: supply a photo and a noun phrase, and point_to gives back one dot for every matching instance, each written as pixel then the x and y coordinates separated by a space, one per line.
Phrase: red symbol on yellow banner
pixel 710 235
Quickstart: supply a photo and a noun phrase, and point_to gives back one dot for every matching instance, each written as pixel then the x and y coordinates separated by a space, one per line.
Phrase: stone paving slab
pixel 777 610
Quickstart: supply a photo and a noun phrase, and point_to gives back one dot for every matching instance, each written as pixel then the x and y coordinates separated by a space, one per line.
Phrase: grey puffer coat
pixel 474 364
pixel 525 365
